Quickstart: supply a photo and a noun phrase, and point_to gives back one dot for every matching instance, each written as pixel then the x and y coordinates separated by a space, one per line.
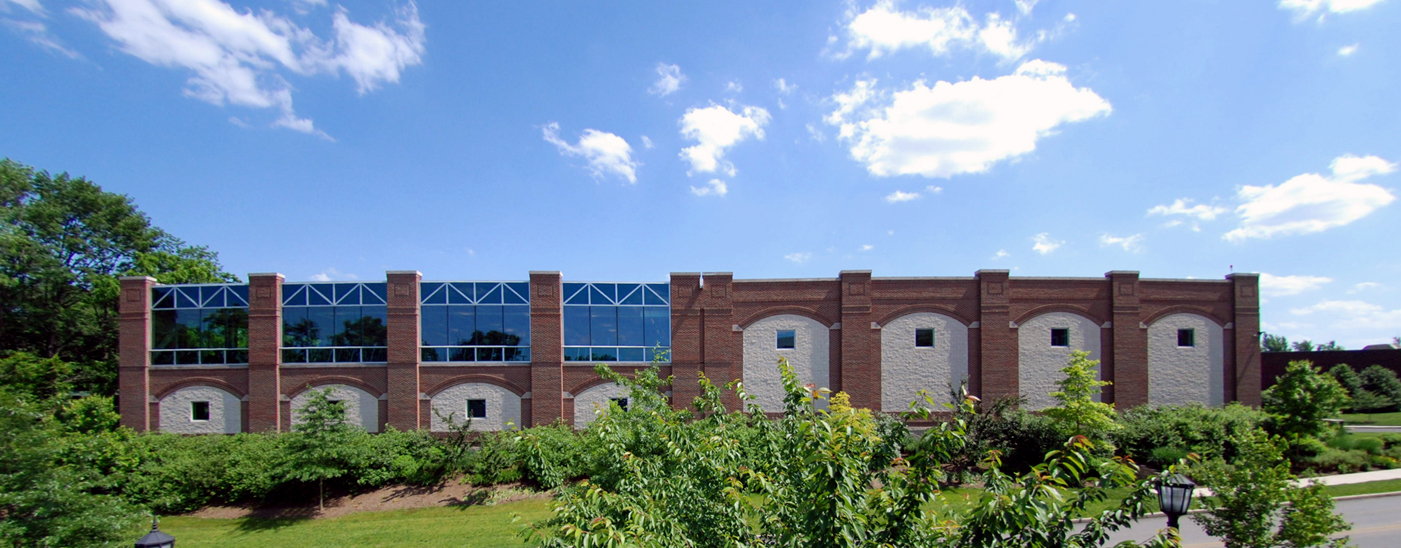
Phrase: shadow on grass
pixel 255 524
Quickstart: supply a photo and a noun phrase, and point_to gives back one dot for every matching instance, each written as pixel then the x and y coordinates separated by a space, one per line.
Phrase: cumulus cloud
pixel 799 257
pixel 715 129
pixel 240 58
pixel 784 87
pixel 733 87
pixel 669 79
pixel 1045 244
pixel 715 187
pixel 1184 207
pixel 964 127
pixel 1363 286
pixel 1128 243
pixel 331 275
pixel 1312 202
pixel 647 142
pixel 606 153
pixel 1284 286
pixel 1303 9
pixel 1354 315
pixel 885 29
pixel 900 196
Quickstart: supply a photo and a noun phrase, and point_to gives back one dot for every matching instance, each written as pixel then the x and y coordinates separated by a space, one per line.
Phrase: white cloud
pixel 1283 286
pixel 1201 212
pixel 733 87
pixel 1364 286
pixel 1346 51
pixel 964 127
pixel 784 87
pixel 1354 315
pixel 934 189
pixel 605 152
pixel 331 275
pixel 1129 243
pixel 1303 9
pixel 1312 202
pixel 715 187
pixel 238 122
pixel 885 29
pixel 239 57
pixel 1001 254
pixel 899 196
pixel 1045 244
pixel 32 5
pixel 715 129
pixel 669 79
pixel 647 142
pixel 1024 6
pixel 38 33
pixel 867 247
pixel 799 257
pixel 305 6
pixel 816 133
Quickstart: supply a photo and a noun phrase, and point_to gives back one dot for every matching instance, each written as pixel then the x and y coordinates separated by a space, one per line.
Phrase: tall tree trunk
pixel 321 494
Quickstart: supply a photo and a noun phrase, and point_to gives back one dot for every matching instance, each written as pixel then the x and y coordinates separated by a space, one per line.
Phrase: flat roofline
pixel 925 278
pixel 1188 280
pixel 763 280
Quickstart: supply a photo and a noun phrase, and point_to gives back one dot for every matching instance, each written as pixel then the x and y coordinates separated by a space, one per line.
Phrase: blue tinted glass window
pixel 182 300
pixel 576 325
pixel 322 324
pixel 630 326
pixel 161 297
pixel 630 293
pixel 319 294
pixel 575 294
pixel 460 293
pixel 432 293
pixel 631 354
pixel 373 294
pixel 658 326
pixel 517 293
pixel 787 338
pixel 433 325
pixel 462 321
pixel 604 354
pixel 463 355
pixel 295 327
pixel 348 326
pixel 188 322
pixel 517 322
pixel 489 293
pixel 597 296
pixel 603 325
pixel 294 295
pixel 164 333
pixel 490 327
pixel 374 328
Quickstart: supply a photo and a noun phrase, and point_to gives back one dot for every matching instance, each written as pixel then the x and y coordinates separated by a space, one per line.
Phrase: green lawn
pixel 1387 486
pixel 1374 419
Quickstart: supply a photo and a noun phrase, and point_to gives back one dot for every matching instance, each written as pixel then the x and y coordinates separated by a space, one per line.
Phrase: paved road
pixel 1376 523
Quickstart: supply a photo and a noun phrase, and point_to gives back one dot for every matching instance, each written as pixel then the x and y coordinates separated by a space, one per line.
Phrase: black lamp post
pixel 156 538
pixel 1175 497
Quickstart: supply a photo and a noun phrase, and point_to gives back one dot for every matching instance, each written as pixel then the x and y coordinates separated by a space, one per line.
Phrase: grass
pixel 1371 487
pixel 1373 419
pixel 470 527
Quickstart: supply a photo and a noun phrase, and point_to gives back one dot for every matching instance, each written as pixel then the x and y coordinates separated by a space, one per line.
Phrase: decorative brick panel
pixel 860 370
pixel 134 352
pixel 265 353
pixel 546 348
pixel 1126 365
pixel 1245 364
pixel 403 340
pixel 997 341
pixel 686 354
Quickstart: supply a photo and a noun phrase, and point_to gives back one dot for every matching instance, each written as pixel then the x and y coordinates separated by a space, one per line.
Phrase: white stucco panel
pixel 906 369
pixel 361 408
pixel 591 403
pixel 1185 374
pixel 810 357
pixel 503 407
pixel 1039 363
pixel 225 411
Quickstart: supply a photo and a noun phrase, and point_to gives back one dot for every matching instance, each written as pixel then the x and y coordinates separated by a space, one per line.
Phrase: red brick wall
pixel 134 352
pixel 402 373
pixel 546 348
pixel 264 353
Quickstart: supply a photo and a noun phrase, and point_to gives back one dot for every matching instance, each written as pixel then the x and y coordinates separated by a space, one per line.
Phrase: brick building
pixel 225 358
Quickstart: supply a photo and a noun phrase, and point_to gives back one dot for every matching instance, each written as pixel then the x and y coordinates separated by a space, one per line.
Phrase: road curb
pixel 1369 496
pixel 1200 510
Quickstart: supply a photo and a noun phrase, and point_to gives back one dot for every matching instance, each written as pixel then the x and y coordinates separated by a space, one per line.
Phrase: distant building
pixel 227 358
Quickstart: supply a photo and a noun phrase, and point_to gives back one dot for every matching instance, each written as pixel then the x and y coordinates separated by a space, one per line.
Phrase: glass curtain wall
pixel 617 322
pixel 199 324
pixel 475 321
pixel 334 323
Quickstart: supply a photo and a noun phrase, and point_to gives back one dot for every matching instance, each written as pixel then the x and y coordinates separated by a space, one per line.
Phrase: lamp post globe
pixel 1175 497
pixel 156 538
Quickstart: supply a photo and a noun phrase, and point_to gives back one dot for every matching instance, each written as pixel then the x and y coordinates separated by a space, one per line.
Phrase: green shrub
pixel 1343 461
pixel 1372 446
pixel 1384 383
pixel 1193 428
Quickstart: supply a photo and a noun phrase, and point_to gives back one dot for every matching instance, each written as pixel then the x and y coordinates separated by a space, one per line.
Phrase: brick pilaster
pixel 546 348
pixel 997 341
pixel 1244 369
pixel 860 341
pixel 686 348
pixel 1127 363
pixel 134 352
pixel 720 343
pixel 264 353
pixel 403 341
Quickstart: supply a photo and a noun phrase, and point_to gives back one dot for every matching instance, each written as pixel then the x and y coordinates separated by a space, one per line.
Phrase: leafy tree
pixel 38 379
pixel 1301 398
pixel 322 446
pixel 1329 346
pixel 63 243
pixel 1078 413
pixel 1303 346
pixel 1255 503
pixel 46 501
pixel 1383 382
pixel 1274 343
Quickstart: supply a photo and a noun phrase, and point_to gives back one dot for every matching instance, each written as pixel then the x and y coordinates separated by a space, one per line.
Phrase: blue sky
pixel 623 141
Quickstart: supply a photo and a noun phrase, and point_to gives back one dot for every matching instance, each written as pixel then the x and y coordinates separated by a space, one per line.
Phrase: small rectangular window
pixel 787 338
pixel 622 403
pixel 1060 337
pixel 476 409
pixel 924 338
pixel 199 411
pixel 1186 337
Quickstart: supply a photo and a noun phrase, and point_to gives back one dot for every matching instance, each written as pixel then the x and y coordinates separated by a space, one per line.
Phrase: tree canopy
pixel 63 243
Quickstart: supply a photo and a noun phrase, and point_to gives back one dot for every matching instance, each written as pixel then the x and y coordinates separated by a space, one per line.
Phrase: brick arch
pixel 1184 309
pixel 784 311
pixel 336 379
pixel 475 378
pixel 200 381
pixel 924 309
pixel 1049 308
